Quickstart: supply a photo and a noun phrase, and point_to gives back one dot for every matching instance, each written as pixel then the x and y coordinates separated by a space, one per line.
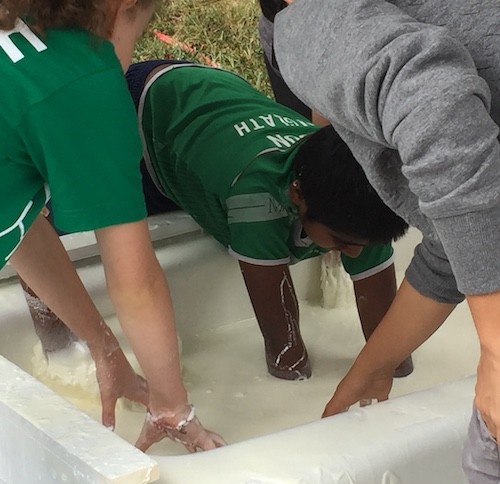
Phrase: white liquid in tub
pixel 225 374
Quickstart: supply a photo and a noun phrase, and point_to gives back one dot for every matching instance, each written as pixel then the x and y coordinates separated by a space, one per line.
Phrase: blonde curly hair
pixel 96 16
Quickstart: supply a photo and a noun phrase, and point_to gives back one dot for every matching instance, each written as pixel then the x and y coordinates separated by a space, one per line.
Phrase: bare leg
pixel 374 295
pixel 53 333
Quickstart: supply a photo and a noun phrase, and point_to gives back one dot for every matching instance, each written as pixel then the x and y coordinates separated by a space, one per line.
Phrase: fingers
pixel 198 438
pixel 337 404
pixel 209 440
pixel 142 443
pixel 137 393
pixel 489 421
pixel 149 435
pixel 108 410
pixel 216 440
pixel 190 433
pixel 333 409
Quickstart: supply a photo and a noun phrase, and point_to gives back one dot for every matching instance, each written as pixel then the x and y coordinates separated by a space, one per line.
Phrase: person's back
pixel 47 88
pixel 68 126
pixel 407 100
pixel 475 24
pixel 412 101
pixel 213 142
pixel 260 178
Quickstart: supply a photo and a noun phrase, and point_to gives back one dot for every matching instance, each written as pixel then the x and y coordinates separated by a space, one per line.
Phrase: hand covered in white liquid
pixel 359 386
pixel 116 377
pixel 182 426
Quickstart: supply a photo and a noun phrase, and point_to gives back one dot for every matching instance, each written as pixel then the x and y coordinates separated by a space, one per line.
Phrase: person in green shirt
pixel 68 133
pixel 263 181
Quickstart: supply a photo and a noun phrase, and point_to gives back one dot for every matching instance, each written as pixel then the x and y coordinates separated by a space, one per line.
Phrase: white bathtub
pixel 272 426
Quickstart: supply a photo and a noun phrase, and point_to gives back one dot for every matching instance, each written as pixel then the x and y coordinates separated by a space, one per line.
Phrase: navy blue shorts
pixel 136 77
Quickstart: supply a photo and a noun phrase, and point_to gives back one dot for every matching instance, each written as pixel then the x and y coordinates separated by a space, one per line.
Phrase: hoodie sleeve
pixel 381 76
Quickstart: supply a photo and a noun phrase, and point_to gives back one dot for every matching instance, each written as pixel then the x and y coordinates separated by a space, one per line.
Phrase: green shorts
pixel 373 259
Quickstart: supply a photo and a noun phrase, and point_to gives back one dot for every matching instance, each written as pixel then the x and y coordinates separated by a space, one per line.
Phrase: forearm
pixel 411 320
pixel 147 319
pixel 140 294
pixel 485 309
pixel 273 299
pixel 276 307
pixel 43 263
pixel 52 332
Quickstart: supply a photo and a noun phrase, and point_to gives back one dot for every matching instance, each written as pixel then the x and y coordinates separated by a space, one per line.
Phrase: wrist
pixel 485 310
pixel 177 419
pixel 104 344
pixel 376 364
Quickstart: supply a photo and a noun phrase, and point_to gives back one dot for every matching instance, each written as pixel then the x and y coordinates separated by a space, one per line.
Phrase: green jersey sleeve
pixel 373 259
pixel 85 143
pixel 259 228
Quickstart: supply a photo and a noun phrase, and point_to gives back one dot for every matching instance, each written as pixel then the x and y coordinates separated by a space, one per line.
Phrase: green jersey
pixel 224 152
pixel 67 131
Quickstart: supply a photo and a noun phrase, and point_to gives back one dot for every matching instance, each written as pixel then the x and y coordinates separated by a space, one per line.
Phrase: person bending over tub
pixel 412 101
pixel 285 96
pixel 250 172
pixel 254 174
pixel 63 138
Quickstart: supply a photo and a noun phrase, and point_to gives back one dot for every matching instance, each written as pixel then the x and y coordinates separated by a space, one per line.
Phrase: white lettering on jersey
pixel 242 128
pixel 256 125
pixel 251 124
pixel 268 119
pixel 10 48
pixel 47 192
pixel 285 141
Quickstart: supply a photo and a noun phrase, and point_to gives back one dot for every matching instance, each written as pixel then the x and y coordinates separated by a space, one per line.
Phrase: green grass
pixel 223 30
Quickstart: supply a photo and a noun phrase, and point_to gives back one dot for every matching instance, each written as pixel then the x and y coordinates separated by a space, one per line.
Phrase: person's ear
pixel 120 10
pixel 128 4
pixel 127 7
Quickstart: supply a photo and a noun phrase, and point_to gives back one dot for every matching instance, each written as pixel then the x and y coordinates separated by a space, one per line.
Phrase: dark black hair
pixel 337 192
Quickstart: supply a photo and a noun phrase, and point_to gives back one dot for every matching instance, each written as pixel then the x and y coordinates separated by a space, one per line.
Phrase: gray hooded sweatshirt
pixel 407 99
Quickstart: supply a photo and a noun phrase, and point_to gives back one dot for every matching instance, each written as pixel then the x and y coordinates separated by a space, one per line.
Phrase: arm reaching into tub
pixel 42 262
pixel 140 294
pixel 411 320
pixel 276 307
pixel 275 304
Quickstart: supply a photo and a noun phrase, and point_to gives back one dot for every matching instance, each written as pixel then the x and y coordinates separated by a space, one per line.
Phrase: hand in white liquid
pixel 359 386
pixel 116 377
pixel 183 427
